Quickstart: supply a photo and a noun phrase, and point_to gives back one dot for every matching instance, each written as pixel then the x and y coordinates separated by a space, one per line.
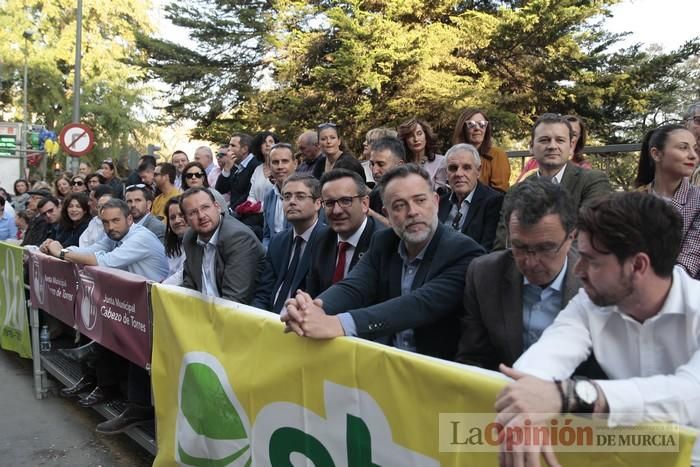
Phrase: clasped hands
pixel 51 247
pixel 305 316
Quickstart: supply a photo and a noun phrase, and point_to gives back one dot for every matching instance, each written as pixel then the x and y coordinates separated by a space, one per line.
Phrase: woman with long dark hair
pixel 334 150
pixel 474 127
pixel 420 143
pixel 194 175
pixel 666 161
pixel 109 172
pixel 21 197
pixel 260 183
pixel 75 217
pixel 175 228
pixel 61 187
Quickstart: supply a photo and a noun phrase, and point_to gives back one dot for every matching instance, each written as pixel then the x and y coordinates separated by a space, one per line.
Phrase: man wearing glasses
pixel 470 206
pixel 50 209
pixel 289 253
pixel 224 258
pixel 38 229
pixel 345 199
pixel 512 296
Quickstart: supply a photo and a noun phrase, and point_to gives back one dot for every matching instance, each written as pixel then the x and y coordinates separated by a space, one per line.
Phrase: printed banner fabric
pixel 232 389
pixel 14 327
pixel 52 286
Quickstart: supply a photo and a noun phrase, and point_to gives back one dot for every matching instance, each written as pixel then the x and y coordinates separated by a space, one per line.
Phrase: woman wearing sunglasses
pixel 473 127
pixel 194 176
pixel 78 184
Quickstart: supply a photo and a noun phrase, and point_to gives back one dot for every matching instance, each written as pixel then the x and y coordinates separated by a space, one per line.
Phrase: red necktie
pixel 339 272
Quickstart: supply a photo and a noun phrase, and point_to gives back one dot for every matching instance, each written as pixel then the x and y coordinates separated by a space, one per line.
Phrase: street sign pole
pixel 73 162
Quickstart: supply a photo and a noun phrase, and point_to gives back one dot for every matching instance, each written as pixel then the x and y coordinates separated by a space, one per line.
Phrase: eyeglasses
pixel 194 175
pixel 298 196
pixel 48 211
pixel 695 119
pixel 219 155
pixel 471 124
pixel 541 251
pixel 77 183
pixel 323 126
pixel 344 202
pixel 195 212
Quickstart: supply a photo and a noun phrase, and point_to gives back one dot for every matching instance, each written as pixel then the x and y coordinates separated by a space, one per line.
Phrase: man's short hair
pixel 193 191
pixel 147 193
pixel 116 203
pixel 309 137
pixel 337 174
pixel 166 168
pixel 101 190
pixel 146 165
pixel 180 152
pixel 244 139
pixel 148 158
pixel 464 147
pixel 692 110
pixel 403 171
pixel 624 224
pixel 550 119
pixel 378 133
pixel 48 199
pixel 533 199
pixel 308 180
pixel 393 145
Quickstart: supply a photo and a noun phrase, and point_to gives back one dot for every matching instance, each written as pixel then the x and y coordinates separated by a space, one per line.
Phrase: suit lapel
pixel 512 306
pixel 283 258
pixel 363 243
pixel 571 282
pixel 474 206
pixel 444 207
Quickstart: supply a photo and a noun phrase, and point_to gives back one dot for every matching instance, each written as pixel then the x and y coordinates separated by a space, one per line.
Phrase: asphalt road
pixel 54 431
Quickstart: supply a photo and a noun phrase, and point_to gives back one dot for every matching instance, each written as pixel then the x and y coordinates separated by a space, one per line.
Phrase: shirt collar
pixel 403 252
pixel 354 239
pixel 214 238
pixel 559 174
pixel 468 199
pixel 558 281
pixel 244 163
pixel 306 235
pixel 143 219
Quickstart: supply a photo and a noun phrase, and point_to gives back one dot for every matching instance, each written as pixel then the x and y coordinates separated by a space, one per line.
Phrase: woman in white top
pixel 260 183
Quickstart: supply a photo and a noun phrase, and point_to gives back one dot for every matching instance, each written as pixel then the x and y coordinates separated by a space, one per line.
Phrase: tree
pixel 114 93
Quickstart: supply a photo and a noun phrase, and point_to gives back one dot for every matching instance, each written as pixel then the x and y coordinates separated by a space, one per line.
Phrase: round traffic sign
pixel 76 139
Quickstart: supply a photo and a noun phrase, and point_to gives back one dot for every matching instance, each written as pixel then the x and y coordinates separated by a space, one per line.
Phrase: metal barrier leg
pixel 40 387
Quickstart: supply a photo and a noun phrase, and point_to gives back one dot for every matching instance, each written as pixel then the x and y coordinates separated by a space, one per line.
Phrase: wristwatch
pixel 62 254
pixel 585 394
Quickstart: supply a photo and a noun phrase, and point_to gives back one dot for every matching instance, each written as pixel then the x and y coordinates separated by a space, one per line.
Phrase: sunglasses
pixel 323 126
pixel 138 186
pixel 77 183
pixel 695 119
pixel 482 124
pixel 194 175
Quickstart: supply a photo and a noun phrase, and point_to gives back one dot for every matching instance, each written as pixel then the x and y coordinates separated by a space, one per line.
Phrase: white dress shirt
pixel 209 286
pixel 654 367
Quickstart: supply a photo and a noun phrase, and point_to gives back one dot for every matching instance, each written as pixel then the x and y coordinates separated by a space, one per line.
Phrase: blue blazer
pixel 269 208
pixel 276 262
pixel 371 292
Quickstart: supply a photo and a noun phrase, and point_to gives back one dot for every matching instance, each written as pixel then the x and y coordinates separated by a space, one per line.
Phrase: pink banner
pixel 112 309
pixel 53 286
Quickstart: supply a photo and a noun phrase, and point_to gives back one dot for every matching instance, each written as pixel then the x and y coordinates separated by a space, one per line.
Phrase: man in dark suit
pixel 385 154
pixel 236 180
pixel 282 164
pixel 402 292
pixel 223 257
pixel 346 203
pixel 511 296
pixel 471 207
pixel 289 254
pixel 551 145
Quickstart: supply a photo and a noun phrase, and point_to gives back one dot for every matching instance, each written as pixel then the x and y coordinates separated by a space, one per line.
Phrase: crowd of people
pixel 582 295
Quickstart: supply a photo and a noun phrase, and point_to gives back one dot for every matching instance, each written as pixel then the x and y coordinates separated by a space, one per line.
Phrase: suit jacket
pixel 239 261
pixel 582 184
pixel 371 292
pixel 492 321
pixel 269 211
pixel 276 263
pixel 237 184
pixel 482 217
pixel 155 225
pixel 326 252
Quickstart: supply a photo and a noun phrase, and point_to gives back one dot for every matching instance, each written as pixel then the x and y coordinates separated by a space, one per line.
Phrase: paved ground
pixel 54 431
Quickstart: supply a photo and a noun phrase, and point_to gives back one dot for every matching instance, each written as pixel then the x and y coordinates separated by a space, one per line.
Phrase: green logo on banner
pixel 212 428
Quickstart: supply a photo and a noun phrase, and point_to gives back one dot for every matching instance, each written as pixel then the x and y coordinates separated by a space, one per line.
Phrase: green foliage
pixel 113 94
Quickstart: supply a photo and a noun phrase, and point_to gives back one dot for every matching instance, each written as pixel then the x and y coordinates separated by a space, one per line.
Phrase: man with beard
pixel 139 198
pixel 638 313
pixel 402 292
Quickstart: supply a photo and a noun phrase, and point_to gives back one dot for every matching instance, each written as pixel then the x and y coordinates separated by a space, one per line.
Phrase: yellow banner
pixel 232 389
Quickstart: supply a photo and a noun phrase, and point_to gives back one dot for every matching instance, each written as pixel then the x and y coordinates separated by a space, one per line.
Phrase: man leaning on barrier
pixel 638 313
pixel 136 249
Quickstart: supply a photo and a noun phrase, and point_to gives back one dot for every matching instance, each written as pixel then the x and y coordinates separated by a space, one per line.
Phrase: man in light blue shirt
pixel 127 246
pixel 8 229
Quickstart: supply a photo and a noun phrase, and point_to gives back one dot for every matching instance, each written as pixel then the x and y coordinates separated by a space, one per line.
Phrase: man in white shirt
pixel 637 314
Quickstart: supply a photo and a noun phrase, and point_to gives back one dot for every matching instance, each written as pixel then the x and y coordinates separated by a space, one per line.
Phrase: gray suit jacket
pixel 155 225
pixel 492 323
pixel 582 185
pixel 239 261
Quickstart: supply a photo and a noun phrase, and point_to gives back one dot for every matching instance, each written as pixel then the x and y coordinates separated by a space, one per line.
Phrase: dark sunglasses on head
pixel 194 175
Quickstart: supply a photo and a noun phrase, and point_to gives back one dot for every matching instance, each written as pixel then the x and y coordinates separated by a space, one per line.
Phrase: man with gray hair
pixel 470 206
pixel 312 160
pixel 205 156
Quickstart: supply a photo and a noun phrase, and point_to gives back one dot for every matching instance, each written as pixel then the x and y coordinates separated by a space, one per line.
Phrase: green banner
pixel 14 328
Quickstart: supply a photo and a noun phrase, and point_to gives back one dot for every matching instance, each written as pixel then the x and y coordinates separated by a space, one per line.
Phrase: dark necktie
pixel 289 275
pixel 339 272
